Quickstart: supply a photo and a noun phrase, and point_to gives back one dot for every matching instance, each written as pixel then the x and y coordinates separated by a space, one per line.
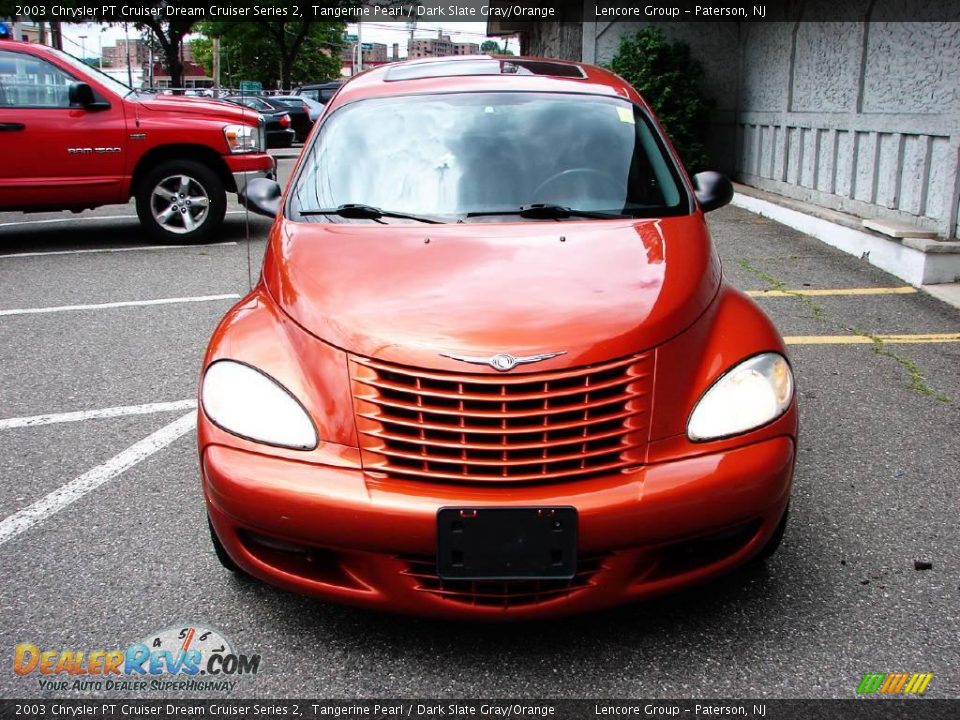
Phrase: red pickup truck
pixel 73 138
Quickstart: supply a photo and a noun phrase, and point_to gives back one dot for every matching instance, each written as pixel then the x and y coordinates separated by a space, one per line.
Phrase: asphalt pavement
pixel 876 491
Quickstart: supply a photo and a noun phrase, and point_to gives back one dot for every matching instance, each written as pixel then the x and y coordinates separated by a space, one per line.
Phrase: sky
pixel 107 34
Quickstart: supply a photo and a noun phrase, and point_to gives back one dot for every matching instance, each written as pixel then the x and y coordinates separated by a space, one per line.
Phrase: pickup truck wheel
pixel 181 201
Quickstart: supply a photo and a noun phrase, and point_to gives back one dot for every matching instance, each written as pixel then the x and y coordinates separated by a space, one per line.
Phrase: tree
pixel 669 77
pixel 273 52
pixel 169 35
pixel 492 47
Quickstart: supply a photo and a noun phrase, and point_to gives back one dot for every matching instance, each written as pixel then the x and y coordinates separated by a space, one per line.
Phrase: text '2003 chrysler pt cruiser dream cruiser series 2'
pixel 491 369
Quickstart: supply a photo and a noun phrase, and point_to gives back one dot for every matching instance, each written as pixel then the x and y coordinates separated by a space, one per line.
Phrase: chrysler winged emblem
pixel 503 361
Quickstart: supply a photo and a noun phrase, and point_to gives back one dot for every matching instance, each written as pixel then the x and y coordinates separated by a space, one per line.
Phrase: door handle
pixel 12 127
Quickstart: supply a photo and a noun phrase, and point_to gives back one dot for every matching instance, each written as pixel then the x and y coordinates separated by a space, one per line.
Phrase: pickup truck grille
pixel 518 427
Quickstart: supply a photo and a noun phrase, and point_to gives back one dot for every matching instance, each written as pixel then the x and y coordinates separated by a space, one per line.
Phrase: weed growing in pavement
pixel 917 379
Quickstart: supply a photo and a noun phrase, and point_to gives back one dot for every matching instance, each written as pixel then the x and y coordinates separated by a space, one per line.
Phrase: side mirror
pixel 81 95
pixel 262 196
pixel 713 190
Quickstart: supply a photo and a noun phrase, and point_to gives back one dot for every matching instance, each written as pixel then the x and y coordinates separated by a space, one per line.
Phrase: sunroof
pixel 483 66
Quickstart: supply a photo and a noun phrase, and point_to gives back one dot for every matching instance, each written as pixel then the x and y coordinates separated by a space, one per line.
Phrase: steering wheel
pixel 582 182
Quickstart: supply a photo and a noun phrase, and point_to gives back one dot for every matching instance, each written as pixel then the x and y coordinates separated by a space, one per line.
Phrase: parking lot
pixel 103 539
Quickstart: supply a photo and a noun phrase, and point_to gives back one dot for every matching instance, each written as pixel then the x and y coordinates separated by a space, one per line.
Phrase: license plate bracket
pixel 517 543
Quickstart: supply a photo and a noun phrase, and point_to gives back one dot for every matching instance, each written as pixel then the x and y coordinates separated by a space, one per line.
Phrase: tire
pixel 773 544
pixel 221 552
pixel 163 216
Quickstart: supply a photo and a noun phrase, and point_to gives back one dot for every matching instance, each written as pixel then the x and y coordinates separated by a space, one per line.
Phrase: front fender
pixel 257 332
pixel 732 329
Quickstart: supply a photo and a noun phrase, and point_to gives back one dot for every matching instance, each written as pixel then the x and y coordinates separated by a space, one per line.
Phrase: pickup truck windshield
pixel 472 156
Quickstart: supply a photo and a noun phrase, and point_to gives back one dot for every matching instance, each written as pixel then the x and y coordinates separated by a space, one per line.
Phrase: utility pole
pixel 83 47
pixel 56 34
pixel 215 41
pixel 126 32
pixel 150 46
pixel 358 65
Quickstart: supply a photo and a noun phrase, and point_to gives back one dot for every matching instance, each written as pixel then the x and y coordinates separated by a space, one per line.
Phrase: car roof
pixel 480 73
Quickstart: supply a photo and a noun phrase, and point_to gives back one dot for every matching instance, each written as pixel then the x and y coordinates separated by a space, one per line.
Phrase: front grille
pixel 523 427
pixel 500 593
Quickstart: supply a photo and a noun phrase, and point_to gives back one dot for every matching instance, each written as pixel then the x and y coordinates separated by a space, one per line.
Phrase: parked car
pixel 321 92
pixel 299 115
pixel 314 109
pixel 279 126
pixel 76 139
pixel 481 378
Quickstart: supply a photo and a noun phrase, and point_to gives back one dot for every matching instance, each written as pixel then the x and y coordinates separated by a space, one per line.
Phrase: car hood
pixel 181 104
pixel 406 293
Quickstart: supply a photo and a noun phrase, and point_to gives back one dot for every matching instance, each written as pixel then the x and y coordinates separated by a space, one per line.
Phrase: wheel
pixel 181 201
pixel 773 543
pixel 221 552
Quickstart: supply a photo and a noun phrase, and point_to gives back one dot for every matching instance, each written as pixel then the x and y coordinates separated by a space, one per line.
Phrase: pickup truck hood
pixel 180 104
pixel 405 293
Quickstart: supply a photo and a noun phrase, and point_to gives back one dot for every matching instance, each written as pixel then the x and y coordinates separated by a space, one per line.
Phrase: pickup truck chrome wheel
pixel 181 201
pixel 179 204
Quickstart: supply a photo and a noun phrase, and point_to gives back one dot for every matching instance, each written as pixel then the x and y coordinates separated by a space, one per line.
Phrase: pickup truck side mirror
pixel 713 190
pixel 81 95
pixel 262 196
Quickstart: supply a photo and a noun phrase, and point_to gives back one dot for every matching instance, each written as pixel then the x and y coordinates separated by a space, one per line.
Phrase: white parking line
pixel 88 218
pixel 114 250
pixel 128 303
pixel 111 412
pixel 64 496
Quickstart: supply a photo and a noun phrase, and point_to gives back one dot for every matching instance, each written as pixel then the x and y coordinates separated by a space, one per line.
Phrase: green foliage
pixel 669 78
pixel 276 53
pixel 492 47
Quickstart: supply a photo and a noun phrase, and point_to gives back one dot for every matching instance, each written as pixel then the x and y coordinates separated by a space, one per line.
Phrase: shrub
pixel 668 77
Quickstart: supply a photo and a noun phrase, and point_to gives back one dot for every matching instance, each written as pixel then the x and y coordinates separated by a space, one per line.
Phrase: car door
pixel 56 155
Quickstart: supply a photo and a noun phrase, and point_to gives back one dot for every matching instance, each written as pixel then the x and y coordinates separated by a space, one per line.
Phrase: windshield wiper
pixel 368 212
pixel 548 211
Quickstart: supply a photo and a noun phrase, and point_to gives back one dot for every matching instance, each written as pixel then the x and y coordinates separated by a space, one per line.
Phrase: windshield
pixel 452 155
pixel 98 75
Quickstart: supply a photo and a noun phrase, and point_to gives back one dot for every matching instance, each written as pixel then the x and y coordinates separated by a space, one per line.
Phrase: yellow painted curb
pixel 863 340
pixel 905 290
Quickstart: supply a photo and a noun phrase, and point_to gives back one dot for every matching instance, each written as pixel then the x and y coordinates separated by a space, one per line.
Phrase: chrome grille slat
pixel 503 413
pixel 494 427
pixel 464 445
pixel 434 474
pixel 505 459
pixel 544 426
pixel 516 397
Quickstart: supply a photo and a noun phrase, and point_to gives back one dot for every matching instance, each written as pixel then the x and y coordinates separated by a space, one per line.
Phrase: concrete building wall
pixel 857 116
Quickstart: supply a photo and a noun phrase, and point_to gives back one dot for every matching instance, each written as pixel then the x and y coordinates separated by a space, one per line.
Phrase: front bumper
pixel 247 167
pixel 336 533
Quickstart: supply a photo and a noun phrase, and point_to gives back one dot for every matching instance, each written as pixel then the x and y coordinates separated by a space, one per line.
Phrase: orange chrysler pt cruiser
pixel 491 368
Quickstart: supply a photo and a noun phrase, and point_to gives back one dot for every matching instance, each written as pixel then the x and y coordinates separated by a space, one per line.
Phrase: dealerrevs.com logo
pixel 181 658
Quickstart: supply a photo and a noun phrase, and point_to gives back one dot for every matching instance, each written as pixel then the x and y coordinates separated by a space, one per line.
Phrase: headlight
pixel 252 405
pixel 749 395
pixel 242 138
